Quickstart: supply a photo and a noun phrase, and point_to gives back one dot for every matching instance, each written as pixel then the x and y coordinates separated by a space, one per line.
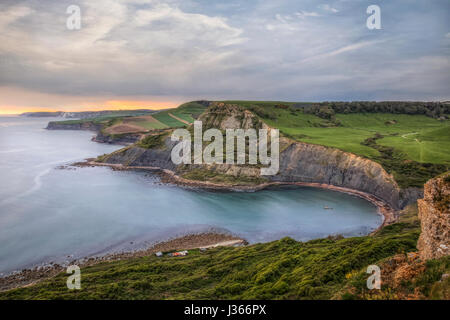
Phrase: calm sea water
pixel 52 214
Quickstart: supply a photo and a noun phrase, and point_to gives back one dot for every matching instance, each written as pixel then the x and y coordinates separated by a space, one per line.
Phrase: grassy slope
pixel 283 269
pixel 149 125
pixel 188 111
pixel 432 134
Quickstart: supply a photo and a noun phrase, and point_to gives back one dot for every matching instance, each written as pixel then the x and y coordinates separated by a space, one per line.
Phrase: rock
pixel 434 215
pixel 313 163
pixel 229 116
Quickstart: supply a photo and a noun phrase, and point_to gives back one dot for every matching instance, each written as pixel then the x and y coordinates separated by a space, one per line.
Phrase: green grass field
pixel 414 148
pixel 149 125
pixel 421 138
pixel 187 111
pixel 164 117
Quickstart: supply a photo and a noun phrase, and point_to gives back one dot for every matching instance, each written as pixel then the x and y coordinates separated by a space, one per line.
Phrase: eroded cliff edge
pixel 299 162
pixel 434 215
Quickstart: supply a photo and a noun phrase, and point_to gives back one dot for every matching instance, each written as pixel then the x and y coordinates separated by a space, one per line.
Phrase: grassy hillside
pixel 187 112
pixel 283 269
pixel 414 148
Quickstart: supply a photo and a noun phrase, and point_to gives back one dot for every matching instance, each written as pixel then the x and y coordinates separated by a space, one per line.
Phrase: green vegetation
pixel 188 112
pixel 211 176
pixel 152 141
pixel 434 287
pixel 430 109
pixel 413 146
pixel 96 120
pixel 283 269
pixel 407 138
pixel 165 118
pixel 406 172
pixel 149 125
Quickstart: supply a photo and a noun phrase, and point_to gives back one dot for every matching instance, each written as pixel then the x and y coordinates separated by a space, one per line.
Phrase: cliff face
pixel 434 215
pixel 313 163
pixel 229 116
pixel 135 156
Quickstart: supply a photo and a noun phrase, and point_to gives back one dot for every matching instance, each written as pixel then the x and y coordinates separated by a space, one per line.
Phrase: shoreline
pixel 170 177
pixel 30 276
pixel 207 240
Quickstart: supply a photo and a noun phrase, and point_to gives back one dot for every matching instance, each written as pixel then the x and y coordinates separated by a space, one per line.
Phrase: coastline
pixel 170 177
pixel 27 277
pixel 204 241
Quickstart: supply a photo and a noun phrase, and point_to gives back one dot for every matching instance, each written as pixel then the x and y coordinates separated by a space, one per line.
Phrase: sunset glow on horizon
pixel 107 105
pixel 16 101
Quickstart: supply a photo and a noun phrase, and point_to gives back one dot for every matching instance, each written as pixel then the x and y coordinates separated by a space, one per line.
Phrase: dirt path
pixel 409 134
pixel 179 119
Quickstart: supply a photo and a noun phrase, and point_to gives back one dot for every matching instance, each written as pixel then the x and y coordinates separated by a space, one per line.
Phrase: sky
pixel 158 54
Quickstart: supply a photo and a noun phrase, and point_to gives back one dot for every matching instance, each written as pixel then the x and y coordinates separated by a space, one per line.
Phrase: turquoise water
pixel 52 214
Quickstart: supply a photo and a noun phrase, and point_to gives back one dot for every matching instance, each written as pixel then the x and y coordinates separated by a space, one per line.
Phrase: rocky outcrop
pixel 229 116
pixel 314 163
pixel 123 139
pixel 84 125
pixel 434 215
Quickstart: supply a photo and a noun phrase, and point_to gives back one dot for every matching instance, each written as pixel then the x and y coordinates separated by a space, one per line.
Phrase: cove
pixel 53 214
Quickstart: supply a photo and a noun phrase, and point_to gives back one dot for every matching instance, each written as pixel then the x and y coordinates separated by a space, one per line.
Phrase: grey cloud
pixel 285 50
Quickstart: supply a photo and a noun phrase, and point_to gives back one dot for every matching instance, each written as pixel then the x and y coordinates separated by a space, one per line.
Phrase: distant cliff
pixel 123 139
pixel 76 125
pixel 434 215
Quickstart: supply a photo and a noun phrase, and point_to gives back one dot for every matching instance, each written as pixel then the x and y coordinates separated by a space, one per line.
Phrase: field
pixel 414 148
pixel 283 269
pixel 133 124
pixel 187 112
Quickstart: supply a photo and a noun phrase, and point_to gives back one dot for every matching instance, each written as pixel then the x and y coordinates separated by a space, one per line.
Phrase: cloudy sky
pixel 158 53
